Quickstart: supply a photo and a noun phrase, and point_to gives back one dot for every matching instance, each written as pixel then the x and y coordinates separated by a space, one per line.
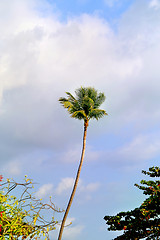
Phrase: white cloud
pixel 73 154
pixel 154 4
pixel 110 3
pixel 142 147
pixel 42 57
pixel 92 187
pixel 44 190
pixel 13 168
pixel 65 185
pixel 85 191
pixel 69 221
pixel 136 152
pixel 73 232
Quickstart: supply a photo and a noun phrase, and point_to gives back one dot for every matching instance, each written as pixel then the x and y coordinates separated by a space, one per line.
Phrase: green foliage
pixel 22 217
pixel 142 222
pixel 85 105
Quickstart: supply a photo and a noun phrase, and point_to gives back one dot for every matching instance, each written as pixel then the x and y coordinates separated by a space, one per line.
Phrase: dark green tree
pixel 142 222
pixel 84 106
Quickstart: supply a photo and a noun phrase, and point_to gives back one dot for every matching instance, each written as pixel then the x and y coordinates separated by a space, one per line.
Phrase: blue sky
pixel 108 9
pixel 50 47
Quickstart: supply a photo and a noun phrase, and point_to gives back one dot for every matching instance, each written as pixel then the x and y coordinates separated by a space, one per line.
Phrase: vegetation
pixel 84 106
pixel 142 222
pixel 22 217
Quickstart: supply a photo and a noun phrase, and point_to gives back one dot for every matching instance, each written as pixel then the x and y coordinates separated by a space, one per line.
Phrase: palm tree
pixel 84 106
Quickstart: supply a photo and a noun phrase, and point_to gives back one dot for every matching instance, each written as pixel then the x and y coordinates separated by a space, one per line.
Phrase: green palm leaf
pixel 97 114
pixel 79 114
pixel 85 105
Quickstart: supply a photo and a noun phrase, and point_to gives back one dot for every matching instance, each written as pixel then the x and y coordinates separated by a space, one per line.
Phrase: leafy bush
pixel 22 217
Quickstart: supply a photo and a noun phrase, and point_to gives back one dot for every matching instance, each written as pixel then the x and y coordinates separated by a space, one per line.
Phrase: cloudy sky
pixel 49 47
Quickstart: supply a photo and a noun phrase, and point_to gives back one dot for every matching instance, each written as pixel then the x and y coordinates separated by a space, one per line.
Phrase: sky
pixel 49 47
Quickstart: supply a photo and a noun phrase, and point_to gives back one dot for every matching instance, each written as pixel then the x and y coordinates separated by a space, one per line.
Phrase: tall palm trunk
pixel 75 183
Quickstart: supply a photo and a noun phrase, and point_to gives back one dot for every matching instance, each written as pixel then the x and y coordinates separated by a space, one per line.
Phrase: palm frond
pixel 79 115
pixel 65 103
pixel 92 93
pixel 70 95
pixel 85 105
pixel 97 113
pixel 80 94
pixel 62 99
pixel 99 100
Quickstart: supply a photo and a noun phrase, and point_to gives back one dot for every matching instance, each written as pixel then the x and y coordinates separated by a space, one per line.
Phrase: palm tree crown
pixel 85 105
